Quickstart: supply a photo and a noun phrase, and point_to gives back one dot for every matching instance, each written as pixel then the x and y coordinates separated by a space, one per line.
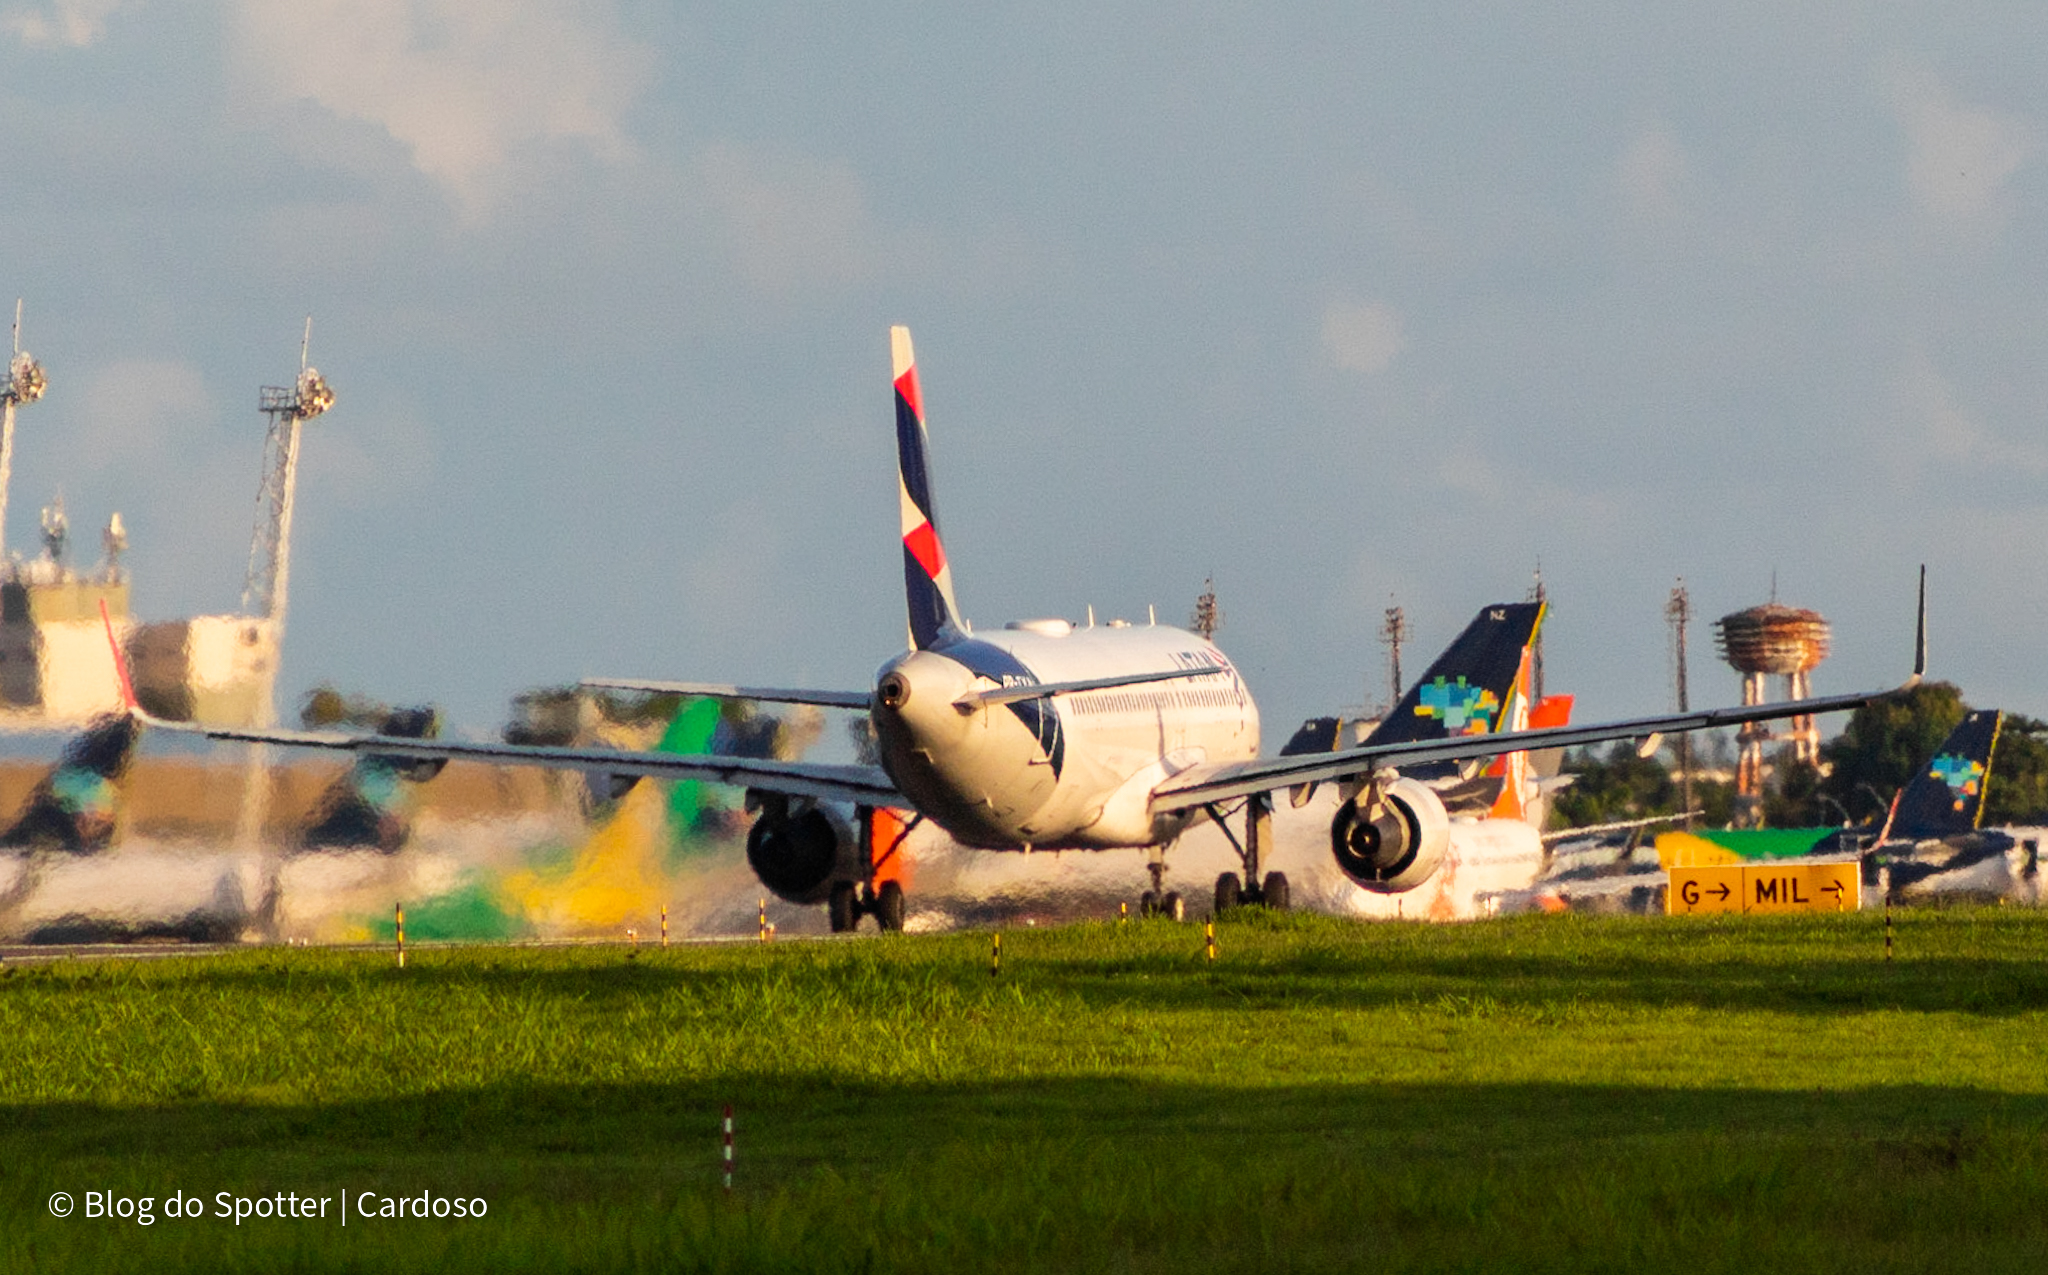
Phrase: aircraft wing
pixel 722 690
pixel 1203 785
pixel 861 785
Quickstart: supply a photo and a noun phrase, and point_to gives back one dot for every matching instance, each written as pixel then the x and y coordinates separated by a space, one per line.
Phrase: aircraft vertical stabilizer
pixel 1947 795
pixel 1469 687
pixel 927 576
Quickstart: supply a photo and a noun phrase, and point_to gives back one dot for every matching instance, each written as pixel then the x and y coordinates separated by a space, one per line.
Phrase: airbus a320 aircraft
pixel 1041 735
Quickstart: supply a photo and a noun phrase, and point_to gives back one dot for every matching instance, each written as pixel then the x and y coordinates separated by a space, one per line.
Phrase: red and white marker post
pixel 728 1147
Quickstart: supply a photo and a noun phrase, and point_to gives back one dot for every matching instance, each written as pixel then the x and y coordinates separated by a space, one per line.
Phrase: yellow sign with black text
pixel 1765 887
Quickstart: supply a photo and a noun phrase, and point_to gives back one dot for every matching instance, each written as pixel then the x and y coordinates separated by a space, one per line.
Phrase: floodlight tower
pixel 265 589
pixel 1207 617
pixel 25 384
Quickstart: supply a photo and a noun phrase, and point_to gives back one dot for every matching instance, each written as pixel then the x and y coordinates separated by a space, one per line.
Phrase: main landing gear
pixel 849 901
pixel 1233 893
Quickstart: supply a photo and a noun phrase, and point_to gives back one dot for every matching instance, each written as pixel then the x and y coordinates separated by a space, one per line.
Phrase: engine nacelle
pixel 798 854
pixel 1395 844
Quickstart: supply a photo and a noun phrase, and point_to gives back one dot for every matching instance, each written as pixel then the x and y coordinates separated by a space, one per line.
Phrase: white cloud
pixel 464 87
pixel 1362 336
pixel 789 220
pixel 375 456
pixel 133 410
pixel 1959 158
pixel 1653 174
pixel 1933 426
pixel 70 24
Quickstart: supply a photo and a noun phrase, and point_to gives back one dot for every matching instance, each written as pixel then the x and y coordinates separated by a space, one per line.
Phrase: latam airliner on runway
pixel 1042 735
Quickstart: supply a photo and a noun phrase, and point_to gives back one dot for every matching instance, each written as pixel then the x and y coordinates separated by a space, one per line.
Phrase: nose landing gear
pixel 1160 901
pixel 850 902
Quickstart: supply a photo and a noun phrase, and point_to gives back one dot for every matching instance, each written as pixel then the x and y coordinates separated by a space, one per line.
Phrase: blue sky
pixel 1345 306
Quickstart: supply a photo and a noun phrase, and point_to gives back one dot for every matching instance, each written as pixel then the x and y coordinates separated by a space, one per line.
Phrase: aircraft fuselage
pixel 1069 771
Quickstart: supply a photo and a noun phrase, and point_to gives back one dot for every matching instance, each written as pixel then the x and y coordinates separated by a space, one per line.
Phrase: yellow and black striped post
pixel 1123 912
pixel 664 925
pixel 1209 939
pixel 995 955
pixel 764 918
pixel 401 936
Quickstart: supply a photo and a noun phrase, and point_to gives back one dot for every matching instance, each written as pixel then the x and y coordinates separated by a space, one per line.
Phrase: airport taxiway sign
pixel 1765 887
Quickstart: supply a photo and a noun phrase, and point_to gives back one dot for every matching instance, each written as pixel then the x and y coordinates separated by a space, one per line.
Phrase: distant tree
pixel 1715 800
pixel 1792 798
pixel 1613 788
pixel 1886 743
pixel 2018 792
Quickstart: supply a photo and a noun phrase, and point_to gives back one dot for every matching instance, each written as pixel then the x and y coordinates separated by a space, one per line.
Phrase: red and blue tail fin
pixel 927 576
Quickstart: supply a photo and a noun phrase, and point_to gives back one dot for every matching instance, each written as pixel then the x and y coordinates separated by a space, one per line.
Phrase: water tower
pixel 1763 641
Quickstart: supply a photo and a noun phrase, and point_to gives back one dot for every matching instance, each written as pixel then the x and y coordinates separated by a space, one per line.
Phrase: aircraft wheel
pixel 1227 892
pixel 844 907
pixel 1276 891
pixel 1171 906
pixel 1148 904
pixel 889 908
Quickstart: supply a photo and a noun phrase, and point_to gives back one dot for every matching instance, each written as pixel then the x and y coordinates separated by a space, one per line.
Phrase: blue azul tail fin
pixel 1466 689
pixel 927 576
pixel 74 807
pixel 1947 796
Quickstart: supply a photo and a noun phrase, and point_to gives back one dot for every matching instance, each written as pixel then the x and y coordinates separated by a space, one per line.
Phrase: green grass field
pixel 1564 1093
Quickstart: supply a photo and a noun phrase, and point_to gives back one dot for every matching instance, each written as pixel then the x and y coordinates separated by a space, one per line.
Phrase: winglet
pixel 127 687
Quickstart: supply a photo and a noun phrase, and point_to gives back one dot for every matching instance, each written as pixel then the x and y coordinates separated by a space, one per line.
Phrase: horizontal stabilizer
pixel 861 785
pixel 722 690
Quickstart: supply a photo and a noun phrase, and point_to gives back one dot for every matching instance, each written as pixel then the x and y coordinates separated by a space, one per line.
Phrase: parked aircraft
pixel 1932 842
pixel 1043 735
pixel 1935 844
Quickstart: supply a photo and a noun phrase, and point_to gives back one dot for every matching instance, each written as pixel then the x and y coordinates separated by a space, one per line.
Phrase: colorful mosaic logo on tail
pixel 1963 776
pixel 1463 708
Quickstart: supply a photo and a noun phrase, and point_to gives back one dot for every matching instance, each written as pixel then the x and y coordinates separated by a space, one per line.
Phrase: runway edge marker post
pixel 728 1148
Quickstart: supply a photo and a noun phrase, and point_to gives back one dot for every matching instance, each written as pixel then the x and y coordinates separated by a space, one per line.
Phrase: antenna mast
pixel 1679 612
pixel 25 384
pixel 1392 634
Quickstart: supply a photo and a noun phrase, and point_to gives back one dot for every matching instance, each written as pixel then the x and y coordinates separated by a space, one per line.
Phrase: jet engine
pixel 798 850
pixel 1391 839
